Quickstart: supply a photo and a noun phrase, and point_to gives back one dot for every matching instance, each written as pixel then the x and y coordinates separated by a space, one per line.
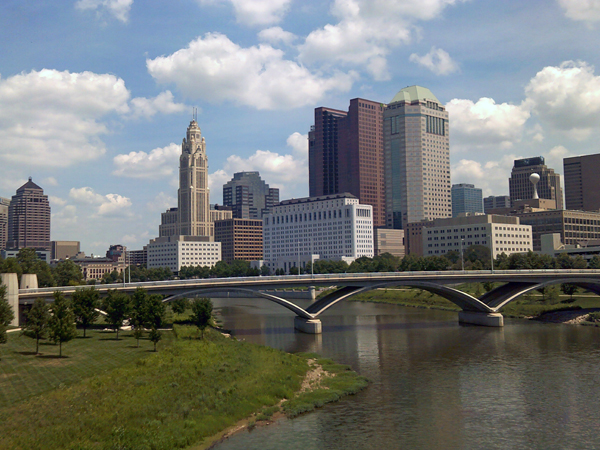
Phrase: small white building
pixel 504 234
pixel 333 227
pixel 175 252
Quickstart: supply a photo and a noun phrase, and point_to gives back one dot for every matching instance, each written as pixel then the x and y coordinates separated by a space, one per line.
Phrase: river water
pixel 434 383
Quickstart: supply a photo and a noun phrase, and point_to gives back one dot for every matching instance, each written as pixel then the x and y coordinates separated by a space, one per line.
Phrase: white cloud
pixel 256 12
pixel 299 143
pixel 56 201
pixel 162 103
pixel 582 10
pixel 159 163
pixel 50 181
pixel 287 172
pixel 486 123
pixel 51 118
pixel 109 205
pixel 162 202
pixel 65 219
pixel 119 9
pixel 214 68
pixel 366 32
pixel 437 60
pixel 491 176
pixel 275 35
pixel 567 98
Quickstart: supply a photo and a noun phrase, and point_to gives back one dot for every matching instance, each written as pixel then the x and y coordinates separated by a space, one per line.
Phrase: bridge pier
pixel 11 282
pixel 309 326
pixel 481 318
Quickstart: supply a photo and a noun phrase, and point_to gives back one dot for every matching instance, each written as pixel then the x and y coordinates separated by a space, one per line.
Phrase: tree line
pixel 57 321
pixel 475 257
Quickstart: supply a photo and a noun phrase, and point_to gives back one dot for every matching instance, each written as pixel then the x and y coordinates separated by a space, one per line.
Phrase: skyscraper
pixel 346 154
pixel 4 203
pixel 417 158
pixel 521 188
pixel 582 185
pixel 466 198
pixel 323 146
pixel 193 195
pixel 249 196
pixel 29 218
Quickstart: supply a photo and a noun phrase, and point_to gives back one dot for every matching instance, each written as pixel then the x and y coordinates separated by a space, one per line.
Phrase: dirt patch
pixel 314 377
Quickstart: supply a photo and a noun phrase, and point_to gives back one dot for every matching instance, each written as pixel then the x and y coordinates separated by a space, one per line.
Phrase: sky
pixel 96 95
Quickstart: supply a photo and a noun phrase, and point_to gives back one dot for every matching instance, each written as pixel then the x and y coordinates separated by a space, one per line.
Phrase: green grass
pixel 188 391
pixel 526 306
pixel 345 382
pixel 24 375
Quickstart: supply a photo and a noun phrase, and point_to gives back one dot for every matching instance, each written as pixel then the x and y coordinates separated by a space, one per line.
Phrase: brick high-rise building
pixel 346 154
pixel 29 218
pixel 521 188
pixel 417 158
pixel 582 185
pixel 240 239
pixel 249 196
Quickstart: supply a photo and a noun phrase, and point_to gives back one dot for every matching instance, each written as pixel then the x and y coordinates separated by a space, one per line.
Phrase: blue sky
pixel 96 95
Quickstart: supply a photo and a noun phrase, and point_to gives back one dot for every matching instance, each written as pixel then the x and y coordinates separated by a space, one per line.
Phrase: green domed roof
pixel 414 93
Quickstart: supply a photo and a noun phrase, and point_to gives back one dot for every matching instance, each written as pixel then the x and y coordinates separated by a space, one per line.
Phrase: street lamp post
pixel 491 252
pixel 462 258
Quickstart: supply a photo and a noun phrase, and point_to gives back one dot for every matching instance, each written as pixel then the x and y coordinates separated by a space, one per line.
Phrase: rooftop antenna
pixel 195 114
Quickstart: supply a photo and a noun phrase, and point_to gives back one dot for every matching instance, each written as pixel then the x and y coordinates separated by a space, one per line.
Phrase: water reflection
pixel 435 384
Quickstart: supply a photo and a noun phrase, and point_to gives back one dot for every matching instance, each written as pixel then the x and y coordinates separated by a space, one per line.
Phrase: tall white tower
pixel 193 212
pixel 535 179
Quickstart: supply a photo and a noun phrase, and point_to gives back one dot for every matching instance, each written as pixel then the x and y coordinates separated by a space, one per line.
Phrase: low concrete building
pixel 552 245
pixel 413 237
pixel 175 252
pixel 64 249
pixel 95 268
pixel 503 234
pixel 390 241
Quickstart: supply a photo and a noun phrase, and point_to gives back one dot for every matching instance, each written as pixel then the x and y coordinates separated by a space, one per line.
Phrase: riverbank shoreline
pixel 312 381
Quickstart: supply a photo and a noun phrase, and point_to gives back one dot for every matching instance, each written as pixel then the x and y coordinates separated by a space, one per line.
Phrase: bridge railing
pixel 316 278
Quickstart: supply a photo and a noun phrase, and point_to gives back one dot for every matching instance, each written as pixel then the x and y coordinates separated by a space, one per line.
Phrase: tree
pixel 264 270
pixel 155 317
pixel 6 315
pixel 568 289
pixel 138 313
pixel 67 273
pixel 179 305
pixel 116 306
pixel 36 325
pixel 30 263
pixel 155 336
pixel 201 313
pixel 62 323
pixel 85 307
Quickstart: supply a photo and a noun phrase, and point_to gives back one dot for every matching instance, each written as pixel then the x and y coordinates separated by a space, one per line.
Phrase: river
pixel 434 383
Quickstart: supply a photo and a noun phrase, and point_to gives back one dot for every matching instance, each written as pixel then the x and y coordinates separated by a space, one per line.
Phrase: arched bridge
pixel 484 310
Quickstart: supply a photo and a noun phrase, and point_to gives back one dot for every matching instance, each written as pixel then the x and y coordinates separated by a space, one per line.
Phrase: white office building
pixel 175 252
pixel 332 227
pixel 505 235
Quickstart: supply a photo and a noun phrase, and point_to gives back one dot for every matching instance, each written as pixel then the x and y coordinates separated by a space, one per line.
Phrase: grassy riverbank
pixel 183 395
pixel 531 305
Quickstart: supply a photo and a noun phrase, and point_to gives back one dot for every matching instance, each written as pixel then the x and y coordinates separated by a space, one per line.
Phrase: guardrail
pixel 309 279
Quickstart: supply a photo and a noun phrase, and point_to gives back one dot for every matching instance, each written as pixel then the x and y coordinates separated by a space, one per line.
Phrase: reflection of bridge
pixel 484 310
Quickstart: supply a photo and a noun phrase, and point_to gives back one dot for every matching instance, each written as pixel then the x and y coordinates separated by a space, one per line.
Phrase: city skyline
pixel 93 94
